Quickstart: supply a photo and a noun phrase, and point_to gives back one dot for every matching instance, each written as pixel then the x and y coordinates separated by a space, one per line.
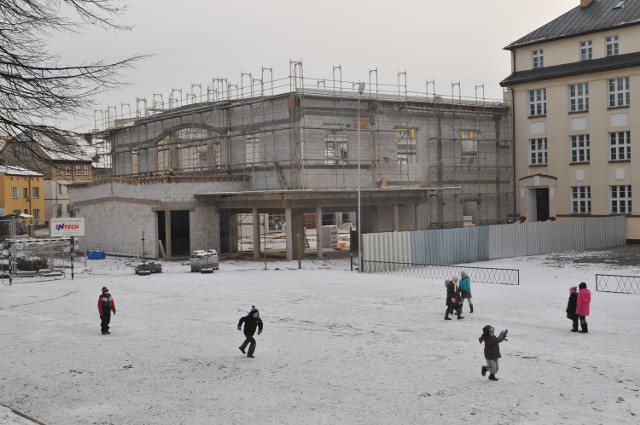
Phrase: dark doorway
pixel 542 204
pixel 180 242
pixel 225 231
pixel 162 231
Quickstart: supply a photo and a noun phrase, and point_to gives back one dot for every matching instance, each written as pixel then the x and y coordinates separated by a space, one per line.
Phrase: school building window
pixel 14 192
pixel 619 92
pixel 538 151
pixel 538 58
pixel 611 45
pixel 579 97
pixel 537 102
pixel 35 192
pixel 581 199
pixel 620 146
pixel 586 50
pixel 580 148
pixel 620 199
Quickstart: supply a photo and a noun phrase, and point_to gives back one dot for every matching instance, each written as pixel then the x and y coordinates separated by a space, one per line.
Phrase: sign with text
pixel 66 227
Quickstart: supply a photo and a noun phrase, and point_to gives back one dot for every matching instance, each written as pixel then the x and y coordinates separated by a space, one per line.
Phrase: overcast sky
pixel 194 40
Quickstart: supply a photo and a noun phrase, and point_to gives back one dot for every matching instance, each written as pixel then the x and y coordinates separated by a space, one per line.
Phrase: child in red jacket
pixel 106 304
pixel 583 307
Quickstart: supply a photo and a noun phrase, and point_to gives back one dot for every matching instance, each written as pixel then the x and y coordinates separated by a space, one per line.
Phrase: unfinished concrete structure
pixel 184 173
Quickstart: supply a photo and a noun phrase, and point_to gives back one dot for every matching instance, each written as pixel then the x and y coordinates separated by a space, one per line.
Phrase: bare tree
pixel 35 87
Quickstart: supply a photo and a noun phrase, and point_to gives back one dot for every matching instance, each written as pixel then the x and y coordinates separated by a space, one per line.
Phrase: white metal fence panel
pixel 465 245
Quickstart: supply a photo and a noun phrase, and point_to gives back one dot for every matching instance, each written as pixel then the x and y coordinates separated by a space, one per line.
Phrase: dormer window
pixel 620 4
pixel 538 58
pixel 611 45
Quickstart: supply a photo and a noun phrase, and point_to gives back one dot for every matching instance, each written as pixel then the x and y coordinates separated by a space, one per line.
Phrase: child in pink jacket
pixel 582 307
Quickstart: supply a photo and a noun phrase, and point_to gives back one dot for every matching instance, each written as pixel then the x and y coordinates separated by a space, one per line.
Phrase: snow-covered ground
pixel 338 347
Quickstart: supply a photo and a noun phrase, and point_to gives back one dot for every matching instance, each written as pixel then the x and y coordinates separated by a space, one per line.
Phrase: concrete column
pixel 288 216
pixel 319 233
pixel 396 217
pixel 256 233
pixel 298 235
pixel 167 232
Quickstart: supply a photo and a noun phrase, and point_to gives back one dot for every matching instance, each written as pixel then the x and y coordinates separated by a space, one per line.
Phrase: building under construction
pixel 184 172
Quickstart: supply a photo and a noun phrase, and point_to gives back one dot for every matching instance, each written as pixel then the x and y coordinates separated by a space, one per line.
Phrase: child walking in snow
pixel 251 322
pixel 106 304
pixel 583 306
pixel 571 308
pixel 465 291
pixel 453 298
pixel 491 350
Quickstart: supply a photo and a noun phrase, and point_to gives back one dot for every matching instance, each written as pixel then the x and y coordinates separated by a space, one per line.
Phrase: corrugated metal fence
pixel 470 244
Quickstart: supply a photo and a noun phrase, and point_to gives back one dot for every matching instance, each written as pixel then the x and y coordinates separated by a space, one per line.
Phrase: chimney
pixel 585 3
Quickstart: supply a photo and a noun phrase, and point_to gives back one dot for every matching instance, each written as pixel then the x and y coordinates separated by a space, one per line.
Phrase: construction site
pixel 207 169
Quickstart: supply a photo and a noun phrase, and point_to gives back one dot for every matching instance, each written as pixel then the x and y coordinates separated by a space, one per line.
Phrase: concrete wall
pixel 116 214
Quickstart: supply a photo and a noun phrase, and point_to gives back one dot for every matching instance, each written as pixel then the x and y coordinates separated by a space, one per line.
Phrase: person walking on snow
pixel 491 350
pixel 453 298
pixel 572 305
pixel 106 304
pixel 582 306
pixel 251 322
pixel 465 291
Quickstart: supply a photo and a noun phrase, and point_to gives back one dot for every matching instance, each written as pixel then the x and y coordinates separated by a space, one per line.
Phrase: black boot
pixel 492 377
pixel 446 315
pixel 459 313
pixel 483 371
pixel 584 329
pixel 470 308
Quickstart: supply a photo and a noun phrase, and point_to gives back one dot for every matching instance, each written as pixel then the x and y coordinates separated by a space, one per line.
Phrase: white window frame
pixel 611 45
pixel 537 57
pixel 619 92
pixel 36 215
pixel 586 50
pixel 14 192
pixel 537 102
pixel 580 148
pixel 579 97
pixel 336 148
pixel 35 192
pixel 85 169
pixel 620 199
pixel 67 169
pixel 538 154
pixel 619 146
pixel 581 199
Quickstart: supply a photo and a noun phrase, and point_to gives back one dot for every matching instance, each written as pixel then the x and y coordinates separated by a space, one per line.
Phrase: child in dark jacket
pixel 453 299
pixel 571 308
pixel 106 305
pixel 251 322
pixel 491 350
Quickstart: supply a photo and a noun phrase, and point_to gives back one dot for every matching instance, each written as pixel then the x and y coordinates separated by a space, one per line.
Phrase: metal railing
pixel 431 271
pixel 618 284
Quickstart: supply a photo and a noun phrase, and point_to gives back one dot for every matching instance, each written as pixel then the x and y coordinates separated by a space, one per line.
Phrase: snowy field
pixel 338 347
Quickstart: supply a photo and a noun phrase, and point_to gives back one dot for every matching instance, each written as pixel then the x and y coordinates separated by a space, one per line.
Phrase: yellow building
pixel 575 87
pixel 21 192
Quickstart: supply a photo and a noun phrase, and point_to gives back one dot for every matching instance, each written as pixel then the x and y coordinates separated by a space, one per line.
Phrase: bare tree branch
pixel 35 87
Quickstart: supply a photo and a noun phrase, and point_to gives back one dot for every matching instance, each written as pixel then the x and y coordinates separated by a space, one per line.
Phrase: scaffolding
pixel 297 132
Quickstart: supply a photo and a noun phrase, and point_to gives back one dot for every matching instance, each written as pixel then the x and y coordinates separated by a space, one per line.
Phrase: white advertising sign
pixel 66 227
